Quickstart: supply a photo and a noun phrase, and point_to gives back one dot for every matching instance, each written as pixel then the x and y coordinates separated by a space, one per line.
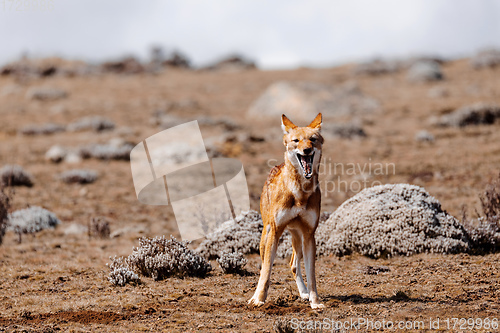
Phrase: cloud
pixel 280 33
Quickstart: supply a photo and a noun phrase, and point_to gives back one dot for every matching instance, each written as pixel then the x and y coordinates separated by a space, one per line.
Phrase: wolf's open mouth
pixel 306 162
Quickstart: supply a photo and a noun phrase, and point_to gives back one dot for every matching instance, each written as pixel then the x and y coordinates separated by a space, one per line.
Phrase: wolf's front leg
pixel 310 266
pixel 259 297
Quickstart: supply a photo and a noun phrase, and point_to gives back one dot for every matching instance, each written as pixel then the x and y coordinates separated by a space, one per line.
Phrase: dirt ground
pixel 56 280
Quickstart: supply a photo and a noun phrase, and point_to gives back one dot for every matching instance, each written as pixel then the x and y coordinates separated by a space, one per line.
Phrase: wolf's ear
pixel 316 123
pixel 286 124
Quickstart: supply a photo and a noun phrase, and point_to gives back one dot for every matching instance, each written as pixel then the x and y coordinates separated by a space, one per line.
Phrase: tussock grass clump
pixel 99 227
pixel 424 136
pixel 120 274
pixel 475 114
pixel 282 325
pixel 93 123
pixel 160 258
pixel 232 262
pixel 4 212
pixel 79 176
pixel 240 235
pixel 484 232
pixel 486 59
pixel 15 175
pixel 388 220
pixel 107 151
pixel 425 71
pixel 31 220
pixel 44 129
pixel 45 93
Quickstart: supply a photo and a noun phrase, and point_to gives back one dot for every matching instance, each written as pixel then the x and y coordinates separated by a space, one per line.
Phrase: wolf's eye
pixel 313 139
pixel 295 140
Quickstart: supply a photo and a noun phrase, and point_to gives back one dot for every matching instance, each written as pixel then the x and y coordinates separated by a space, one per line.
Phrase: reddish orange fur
pixel 290 200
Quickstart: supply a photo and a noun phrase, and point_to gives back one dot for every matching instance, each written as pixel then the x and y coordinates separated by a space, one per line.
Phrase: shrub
pixel 107 151
pixel 490 202
pixel 424 136
pixel 94 123
pixel 240 235
pixel 484 232
pixel 486 59
pixel 475 114
pixel 99 228
pixel 283 325
pixel 56 154
pixel 79 176
pixel 32 220
pixel 346 131
pixel 232 262
pixel 45 129
pixel 45 93
pixel 424 71
pixel 120 274
pixel 388 220
pixel 161 258
pixel 4 212
pixel 15 175
pixel 377 67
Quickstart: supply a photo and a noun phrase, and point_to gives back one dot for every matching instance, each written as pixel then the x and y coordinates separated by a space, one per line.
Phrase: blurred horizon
pixel 277 35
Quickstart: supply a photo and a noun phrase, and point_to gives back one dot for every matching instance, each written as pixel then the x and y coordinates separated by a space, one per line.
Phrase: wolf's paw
pixel 317 306
pixel 255 302
pixel 304 296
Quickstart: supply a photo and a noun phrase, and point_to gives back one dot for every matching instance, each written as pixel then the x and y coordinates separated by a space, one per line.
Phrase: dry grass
pixel 59 281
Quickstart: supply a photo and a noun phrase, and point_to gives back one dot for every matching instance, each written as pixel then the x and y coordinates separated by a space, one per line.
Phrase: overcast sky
pixel 275 33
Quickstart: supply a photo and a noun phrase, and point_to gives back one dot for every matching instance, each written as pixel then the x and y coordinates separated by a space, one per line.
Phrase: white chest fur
pixel 284 216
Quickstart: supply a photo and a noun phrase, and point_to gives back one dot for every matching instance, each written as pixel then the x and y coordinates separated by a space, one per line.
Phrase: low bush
pixel 160 258
pixel 15 175
pixel 232 262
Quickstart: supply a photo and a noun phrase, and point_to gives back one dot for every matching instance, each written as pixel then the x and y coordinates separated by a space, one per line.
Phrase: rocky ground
pixel 55 280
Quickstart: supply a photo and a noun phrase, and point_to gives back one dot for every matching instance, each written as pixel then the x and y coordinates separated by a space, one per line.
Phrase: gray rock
pixel 45 94
pixel 425 71
pixel 424 136
pixel 486 59
pixel 475 114
pixel 56 154
pixel 304 100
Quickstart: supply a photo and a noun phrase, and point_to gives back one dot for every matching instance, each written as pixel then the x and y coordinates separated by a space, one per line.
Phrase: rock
pixel 438 92
pixel 425 71
pixel 139 229
pixel 486 59
pixel 377 67
pixel 45 94
pixel 76 229
pixel 73 157
pixel 94 123
pixel 56 154
pixel 32 219
pixel 44 129
pixel 129 65
pixel 345 131
pixel 177 60
pixel 233 63
pixel 475 114
pixel 15 175
pixel 424 136
pixel 302 101
pixel 80 176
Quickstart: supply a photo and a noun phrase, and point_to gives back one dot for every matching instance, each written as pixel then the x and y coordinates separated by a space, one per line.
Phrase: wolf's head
pixel 303 145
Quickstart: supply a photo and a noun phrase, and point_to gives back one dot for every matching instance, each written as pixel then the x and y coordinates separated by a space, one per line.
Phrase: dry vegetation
pixel 57 279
